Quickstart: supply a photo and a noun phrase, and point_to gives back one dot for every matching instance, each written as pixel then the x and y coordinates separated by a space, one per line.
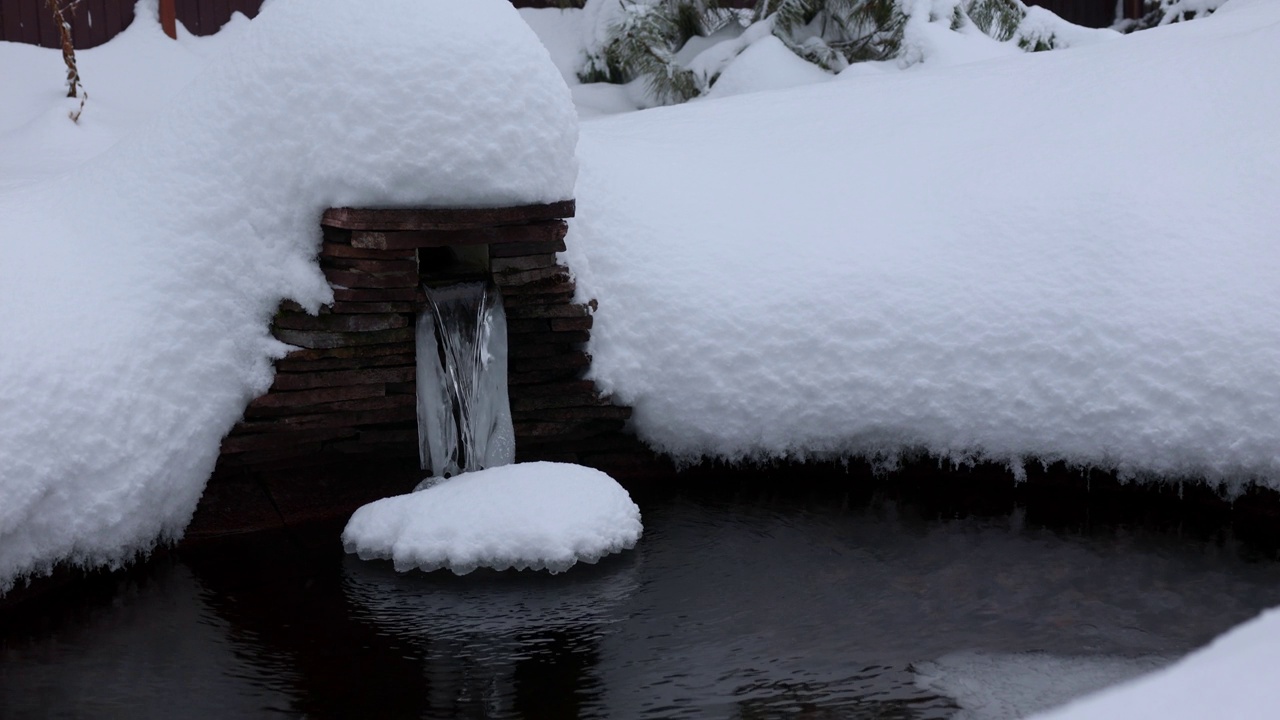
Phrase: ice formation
pixel 977 261
pixel 464 414
pixel 137 292
pixel 526 516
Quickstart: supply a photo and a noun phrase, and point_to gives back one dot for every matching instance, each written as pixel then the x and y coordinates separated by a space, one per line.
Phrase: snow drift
pixel 1065 256
pixel 137 293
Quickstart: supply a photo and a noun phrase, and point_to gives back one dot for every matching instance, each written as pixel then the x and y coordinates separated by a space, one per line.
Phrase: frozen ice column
pixel 464 415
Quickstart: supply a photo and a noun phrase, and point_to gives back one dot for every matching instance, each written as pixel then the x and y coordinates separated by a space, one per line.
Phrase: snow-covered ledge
pixel 138 328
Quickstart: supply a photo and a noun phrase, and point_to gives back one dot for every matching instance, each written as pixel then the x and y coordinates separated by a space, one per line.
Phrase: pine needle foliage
pixel 643 44
pixel 997 18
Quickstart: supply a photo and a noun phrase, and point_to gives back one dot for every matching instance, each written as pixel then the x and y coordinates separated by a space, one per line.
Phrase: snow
pixel 137 291
pixel 994 686
pixel 1063 256
pixel 527 516
pixel 1234 677
pixel 766 64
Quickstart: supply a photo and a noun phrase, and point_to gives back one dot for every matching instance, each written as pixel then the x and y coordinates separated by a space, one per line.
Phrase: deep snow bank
pixel 1233 677
pixel 1063 256
pixel 136 294
pixel 535 516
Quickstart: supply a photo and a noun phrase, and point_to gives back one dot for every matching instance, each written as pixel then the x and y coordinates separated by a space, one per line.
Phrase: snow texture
pixel 995 686
pixel 137 292
pixel 1234 677
pixel 527 516
pixel 1037 257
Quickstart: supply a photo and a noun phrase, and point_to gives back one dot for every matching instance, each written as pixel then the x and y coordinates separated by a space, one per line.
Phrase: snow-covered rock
pixel 527 516
pixel 136 293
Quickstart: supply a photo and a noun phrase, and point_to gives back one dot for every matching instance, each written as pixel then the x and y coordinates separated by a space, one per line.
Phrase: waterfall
pixel 464 415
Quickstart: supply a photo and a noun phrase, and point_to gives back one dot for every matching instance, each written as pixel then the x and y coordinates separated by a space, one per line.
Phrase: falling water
pixel 464 415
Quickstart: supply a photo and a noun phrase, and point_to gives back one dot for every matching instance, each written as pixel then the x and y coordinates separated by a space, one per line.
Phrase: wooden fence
pixel 97 21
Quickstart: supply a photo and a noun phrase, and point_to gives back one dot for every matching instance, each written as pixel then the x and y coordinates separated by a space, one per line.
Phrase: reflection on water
pixel 764 607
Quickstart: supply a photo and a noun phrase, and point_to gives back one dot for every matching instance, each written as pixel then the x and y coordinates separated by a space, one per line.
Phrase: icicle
pixel 464 415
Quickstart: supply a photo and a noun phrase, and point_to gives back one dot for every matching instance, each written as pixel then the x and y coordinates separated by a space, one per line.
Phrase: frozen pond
pixel 735 604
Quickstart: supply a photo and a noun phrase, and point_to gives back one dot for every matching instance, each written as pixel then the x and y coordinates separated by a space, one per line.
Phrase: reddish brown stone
pixel 576 360
pixel 515 339
pixel 504 250
pixel 318 339
pixel 297 365
pixel 314 396
pixel 544 232
pixel 367 322
pixel 541 377
pixel 515 327
pixel 508 279
pixel 525 262
pixel 443 218
pixel 359 351
pixel 597 412
pixel 244 442
pixel 358 308
pixel 369 295
pixel 582 323
pixel 510 301
pixel 364 376
pixel 563 310
pixel 354 279
pixel 346 419
pixel 379 402
pixel 345 250
pixel 559 284
pixel 371 266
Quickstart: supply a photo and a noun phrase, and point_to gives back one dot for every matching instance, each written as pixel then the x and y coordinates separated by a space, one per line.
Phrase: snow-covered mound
pixel 136 294
pixel 527 516
pixel 1060 256
pixel 1234 677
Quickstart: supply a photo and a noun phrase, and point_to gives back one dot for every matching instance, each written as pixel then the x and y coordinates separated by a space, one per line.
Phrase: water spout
pixel 464 414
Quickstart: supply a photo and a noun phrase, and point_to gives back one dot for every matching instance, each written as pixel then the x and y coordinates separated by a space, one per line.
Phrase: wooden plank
pixel 213 15
pixel 28 14
pixel 188 12
pixel 49 36
pixel 10 27
pixel 540 232
pixel 250 8
pixel 86 24
pixel 443 218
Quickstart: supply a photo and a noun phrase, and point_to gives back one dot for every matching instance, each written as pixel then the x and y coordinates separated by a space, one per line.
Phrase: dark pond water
pixel 734 605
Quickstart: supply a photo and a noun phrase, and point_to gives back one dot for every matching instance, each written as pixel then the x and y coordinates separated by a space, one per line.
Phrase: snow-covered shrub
pixel 678 48
pixel 1163 12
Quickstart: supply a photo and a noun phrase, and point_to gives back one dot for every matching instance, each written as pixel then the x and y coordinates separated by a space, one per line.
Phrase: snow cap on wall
pixel 136 327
